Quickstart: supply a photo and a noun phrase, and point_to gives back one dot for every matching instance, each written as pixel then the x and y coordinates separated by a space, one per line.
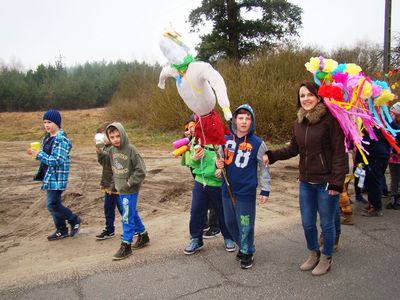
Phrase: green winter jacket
pixel 204 169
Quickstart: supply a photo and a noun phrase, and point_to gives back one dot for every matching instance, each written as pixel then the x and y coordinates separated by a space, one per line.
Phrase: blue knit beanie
pixel 53 116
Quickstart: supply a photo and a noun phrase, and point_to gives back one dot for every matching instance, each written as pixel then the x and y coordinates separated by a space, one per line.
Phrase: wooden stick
pixel 228 185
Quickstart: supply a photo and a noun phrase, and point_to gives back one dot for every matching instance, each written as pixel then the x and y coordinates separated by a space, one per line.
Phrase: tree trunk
pixel 233 29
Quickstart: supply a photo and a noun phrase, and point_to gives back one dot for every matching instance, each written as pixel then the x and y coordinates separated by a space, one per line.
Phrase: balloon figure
pixel 200 86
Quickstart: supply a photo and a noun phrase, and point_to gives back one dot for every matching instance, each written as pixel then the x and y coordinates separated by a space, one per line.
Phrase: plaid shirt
pixel 58 162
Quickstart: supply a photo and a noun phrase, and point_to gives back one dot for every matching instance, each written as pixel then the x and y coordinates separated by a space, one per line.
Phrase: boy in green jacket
pixel 129 172
pixel 207 188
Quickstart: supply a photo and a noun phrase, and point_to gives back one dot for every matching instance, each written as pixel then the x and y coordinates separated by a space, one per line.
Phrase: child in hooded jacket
pixel 211 227
pixel 206 191
pixel 111 198
pixel 243 156
pixel 129 172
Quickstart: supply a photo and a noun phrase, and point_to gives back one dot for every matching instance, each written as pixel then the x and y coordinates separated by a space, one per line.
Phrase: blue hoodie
pixel 242 156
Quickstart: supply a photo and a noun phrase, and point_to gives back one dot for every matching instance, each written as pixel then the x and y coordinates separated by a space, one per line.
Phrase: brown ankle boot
pixel 324 265
pixel 311 262
pixel 347 220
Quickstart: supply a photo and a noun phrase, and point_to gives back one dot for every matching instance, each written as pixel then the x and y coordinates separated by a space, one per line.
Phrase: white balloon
pixel 100 140
pixel 174 53
pixel 200 87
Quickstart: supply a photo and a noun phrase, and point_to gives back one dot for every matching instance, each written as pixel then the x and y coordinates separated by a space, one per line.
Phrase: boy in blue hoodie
pixel 242 156
pixel 129 172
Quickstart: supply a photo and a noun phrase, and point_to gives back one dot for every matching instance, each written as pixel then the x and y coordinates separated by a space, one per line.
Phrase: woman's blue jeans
pixel 315 198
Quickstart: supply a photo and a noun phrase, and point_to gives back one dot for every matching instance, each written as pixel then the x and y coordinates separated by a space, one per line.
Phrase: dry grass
pixel 80 125
pixel 268 81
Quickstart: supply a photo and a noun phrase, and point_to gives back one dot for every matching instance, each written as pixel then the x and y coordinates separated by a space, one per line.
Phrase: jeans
pixel 110 202
pixel 131 221
pixel 240 219
pixel 338 225
pixel 212 219
pixel 201 197
pixel 315 198
pixel 374 177
pixel 395 179
pixel 58 211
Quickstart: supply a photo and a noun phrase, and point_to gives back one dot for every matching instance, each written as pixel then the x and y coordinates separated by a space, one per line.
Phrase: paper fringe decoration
pixel 355 101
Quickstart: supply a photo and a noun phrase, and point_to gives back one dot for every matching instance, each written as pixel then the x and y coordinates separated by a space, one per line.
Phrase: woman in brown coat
pixel 319 140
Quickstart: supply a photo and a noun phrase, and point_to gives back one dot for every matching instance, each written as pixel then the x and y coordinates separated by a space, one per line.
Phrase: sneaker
pixel 372 212
pixel 105 235
pixel 229 245
pixel 141 241
pixel 193 246
pixel 239 255
pixel 361 199
pixel 207 228
pixel 211 233
pixel 247 261
pixel 123 252
pixel 75 227
pixel 393 204
pixel 57 235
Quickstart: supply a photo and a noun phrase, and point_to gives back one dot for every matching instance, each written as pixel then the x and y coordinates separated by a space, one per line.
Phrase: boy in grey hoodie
pixel 129 172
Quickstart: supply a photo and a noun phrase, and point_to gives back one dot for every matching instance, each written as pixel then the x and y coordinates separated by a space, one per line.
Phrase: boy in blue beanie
pixel 242 155
pixel 53 172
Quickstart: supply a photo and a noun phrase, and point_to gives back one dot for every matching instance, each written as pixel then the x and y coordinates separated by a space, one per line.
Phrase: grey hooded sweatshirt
pixel 127 165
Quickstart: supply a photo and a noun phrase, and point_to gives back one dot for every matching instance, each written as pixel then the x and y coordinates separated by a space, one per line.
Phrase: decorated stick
pixel 228 185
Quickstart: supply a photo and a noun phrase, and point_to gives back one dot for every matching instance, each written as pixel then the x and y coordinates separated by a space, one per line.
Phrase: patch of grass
pixel 80 125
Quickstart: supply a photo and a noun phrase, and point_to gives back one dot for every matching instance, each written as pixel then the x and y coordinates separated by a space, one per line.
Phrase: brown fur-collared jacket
pixel 319 140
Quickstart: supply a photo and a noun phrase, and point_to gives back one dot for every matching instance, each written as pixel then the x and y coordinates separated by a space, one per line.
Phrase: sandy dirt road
pixel 164 204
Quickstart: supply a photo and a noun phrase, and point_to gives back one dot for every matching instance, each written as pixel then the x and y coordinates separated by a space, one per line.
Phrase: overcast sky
pixel 36 31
